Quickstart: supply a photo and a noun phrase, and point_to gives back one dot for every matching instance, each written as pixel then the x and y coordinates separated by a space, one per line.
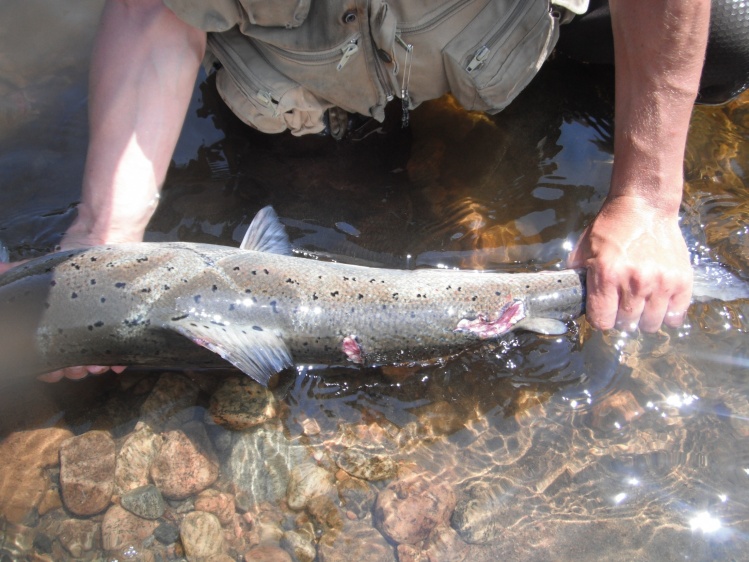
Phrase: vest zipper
pixel 342 53
pixel 484 48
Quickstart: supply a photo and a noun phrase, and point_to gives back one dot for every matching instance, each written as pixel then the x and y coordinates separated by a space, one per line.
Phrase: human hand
pixel 638 270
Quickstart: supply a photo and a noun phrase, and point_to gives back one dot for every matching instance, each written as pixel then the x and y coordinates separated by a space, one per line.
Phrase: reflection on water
pixel 588 446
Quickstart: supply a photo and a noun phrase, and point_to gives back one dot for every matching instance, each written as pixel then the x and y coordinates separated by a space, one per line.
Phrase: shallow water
pixel 588 446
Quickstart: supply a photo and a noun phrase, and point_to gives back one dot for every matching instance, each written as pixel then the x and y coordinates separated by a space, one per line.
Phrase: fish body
pixel 179 304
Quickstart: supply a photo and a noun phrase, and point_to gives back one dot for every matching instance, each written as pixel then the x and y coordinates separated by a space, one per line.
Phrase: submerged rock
pixel 145 502
pixel 358 542
pixel 267 553
pixel 259 465
pixel 411 507
pixel 218 503
pixel 135 458
pixel 171 394
pixel 201 535
pixel 366 465
pixel 23 457
pixel 241 403
pixel 121 529
pixel 308 481
pixel 186 463
pixel 87 465
pixel 298 546
pixel 78 536
pixel 357 496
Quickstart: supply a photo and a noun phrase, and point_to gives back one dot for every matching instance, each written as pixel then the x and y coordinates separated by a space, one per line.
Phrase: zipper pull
pixel 478 58
pixel 348 51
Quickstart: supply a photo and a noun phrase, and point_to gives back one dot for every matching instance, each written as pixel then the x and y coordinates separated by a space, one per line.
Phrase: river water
pixel 589 446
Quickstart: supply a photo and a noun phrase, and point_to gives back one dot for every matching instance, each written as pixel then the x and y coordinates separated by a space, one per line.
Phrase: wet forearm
pixel 660 46
pixel 143 69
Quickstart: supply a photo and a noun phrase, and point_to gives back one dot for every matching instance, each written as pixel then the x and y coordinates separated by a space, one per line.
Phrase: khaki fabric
pixel 285 62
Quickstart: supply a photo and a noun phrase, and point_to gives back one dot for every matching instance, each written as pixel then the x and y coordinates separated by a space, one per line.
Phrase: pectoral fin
pixel 257 352
pixel 546 326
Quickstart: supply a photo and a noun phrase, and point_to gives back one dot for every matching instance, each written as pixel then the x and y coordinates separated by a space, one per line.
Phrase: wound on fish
pixel 353 349
pixel 484 328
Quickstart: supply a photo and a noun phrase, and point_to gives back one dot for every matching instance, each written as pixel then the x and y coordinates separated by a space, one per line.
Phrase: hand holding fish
pixel 638 267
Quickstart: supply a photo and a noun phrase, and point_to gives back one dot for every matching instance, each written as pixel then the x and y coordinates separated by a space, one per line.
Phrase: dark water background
pixel 594 446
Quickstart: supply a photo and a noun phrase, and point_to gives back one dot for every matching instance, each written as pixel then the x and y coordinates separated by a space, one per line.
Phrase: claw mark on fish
pixel 484 328
pixel 353 350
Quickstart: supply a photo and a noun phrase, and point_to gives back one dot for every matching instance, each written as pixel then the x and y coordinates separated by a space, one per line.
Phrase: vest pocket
pixel 515 38
pixel 259 94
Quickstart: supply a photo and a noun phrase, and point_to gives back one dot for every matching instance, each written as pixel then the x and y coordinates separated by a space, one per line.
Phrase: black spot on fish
pixel 527 286
pixel 460 288
pixel 90 328
pixel 395 296
pixel 103 299
pixel 175 318
pixel 413 315
pixel 372 280
pixel 559 280
pixel 361 296
pixel 52 283
pixel 254 272
pixel 314 296
pixel 146 290
pixel 74 295
pixel 248 290
pixel 266 271
pixel 474 298
pixel 75 266
pixel 497 293
pixel 197 298
pixel 141 260
pixel 334 294
pixel 257 328
pixel 345 278
pixel 231 307
pixel 384 307
pixel 93 258
pixel 448 287
pixel 167 287
pixel 214 288
pixel 273 306
pixel 236 268
pixel 120 285
pixel 110 264
pixel 93 281
pixel 98 324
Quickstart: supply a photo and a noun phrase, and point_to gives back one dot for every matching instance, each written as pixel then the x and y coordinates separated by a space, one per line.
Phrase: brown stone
pixel 267 554
pixel 87 465
pixel 218 503
pixel 411 507
pixel 186 463
pixel 120 529
pixel 23 456
pixel 201 535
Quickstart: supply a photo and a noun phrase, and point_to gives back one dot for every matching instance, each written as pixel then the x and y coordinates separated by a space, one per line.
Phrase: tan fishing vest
pixel 285 62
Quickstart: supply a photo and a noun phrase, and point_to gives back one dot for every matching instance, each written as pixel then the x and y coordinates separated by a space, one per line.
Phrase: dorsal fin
pixel 266 234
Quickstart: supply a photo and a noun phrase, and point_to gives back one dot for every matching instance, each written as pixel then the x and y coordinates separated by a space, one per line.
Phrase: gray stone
pixel 145 502
pixel 171 394
pixel 134 459
pixel 166 533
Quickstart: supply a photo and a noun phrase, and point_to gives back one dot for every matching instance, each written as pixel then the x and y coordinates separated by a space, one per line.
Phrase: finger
pixel 75 373
pixel 654 313
pixel 602 301
pixel 51 377
pixel 677 309
pixel 118 368
pixel 629 313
